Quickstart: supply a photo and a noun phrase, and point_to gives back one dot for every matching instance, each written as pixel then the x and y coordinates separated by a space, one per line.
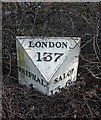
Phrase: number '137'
pixel 46 56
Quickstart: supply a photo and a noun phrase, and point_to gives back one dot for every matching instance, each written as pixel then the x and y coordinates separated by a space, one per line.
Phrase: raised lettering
pixel 70 72
pixel 38 80
pixel 44 44
pixel 38 44
pixel 51 44
pixel 60 78
pixel 56 80
pixel 30 43
pixel 58 44
pixel 34 77
pixel 64 45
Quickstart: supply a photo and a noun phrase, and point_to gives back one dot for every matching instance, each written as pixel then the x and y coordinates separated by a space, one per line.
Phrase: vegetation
pixel 82 100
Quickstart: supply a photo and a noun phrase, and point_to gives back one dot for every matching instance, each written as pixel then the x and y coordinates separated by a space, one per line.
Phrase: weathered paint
pixel 69 64
pixel 48 63
pixel 29 66
pixel 20 57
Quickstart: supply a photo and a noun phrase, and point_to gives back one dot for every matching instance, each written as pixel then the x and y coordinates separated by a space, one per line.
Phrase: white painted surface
pixel 46 62
pixel 26 63
pixel 47 68
pixel 71 62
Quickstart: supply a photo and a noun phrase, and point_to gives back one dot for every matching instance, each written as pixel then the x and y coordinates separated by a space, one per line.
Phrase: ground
pixel 79 101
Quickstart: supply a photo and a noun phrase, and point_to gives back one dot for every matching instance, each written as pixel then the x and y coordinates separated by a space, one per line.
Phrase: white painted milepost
pixel 48 63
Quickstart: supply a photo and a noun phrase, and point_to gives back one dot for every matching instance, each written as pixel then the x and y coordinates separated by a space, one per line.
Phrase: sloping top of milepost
pixel 48 53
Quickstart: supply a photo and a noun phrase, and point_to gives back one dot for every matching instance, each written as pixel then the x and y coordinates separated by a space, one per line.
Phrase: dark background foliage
pixel 54 20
